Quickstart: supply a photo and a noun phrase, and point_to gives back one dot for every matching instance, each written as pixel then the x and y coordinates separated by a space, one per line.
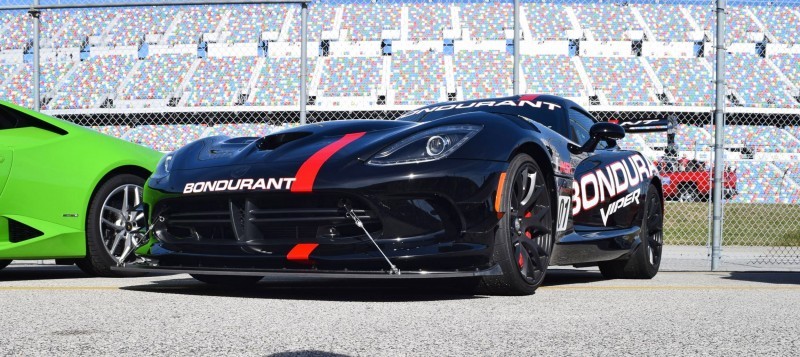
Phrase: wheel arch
pixel 121 170
pixel 542 158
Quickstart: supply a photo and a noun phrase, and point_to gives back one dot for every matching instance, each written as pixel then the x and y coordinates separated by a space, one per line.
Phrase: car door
pixel 6 124
pixel 609 183
pixel 5 166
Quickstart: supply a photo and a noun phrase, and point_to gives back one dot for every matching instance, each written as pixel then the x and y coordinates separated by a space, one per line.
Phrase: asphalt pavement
pixel 55 310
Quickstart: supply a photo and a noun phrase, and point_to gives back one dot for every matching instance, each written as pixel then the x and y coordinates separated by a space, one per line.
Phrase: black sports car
pixel 495 190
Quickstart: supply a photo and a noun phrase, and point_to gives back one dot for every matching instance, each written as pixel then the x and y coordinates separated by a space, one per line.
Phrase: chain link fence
pixel 163 76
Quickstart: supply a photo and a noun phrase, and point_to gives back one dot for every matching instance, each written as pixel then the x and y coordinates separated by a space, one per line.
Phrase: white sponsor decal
pixel 622 202
pixel 507 103
pixel 602 185
pixel 564 207
pixel 284 183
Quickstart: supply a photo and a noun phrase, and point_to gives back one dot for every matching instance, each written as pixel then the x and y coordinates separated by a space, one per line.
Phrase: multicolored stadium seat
pixel 781 21
pixel 482 74
pixel 367 21
pixel 418 77
pixel 17 30
pixel 350 76
pixel 547 22
pixel 428 20
pixel 92 80
pixel 606 21
pixel 622 80
pixel 158 77
pixel 279 80
pixel 194 22
pixel 247 22
pixel 218 81
pixel 756 83
pixel 487 21
pixel 687 79
pixel 552 74
pixel 666 22
pixel 132 24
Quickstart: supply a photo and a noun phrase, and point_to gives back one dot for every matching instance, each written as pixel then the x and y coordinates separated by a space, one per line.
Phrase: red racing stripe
pixel 301 252
pixel 304 179
pixel 528 97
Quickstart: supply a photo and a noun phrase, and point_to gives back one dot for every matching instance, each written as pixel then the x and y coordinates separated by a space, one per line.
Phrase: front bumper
pixel 425 218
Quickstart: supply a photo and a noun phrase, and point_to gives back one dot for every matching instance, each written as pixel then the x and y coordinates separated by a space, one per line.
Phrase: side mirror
pixel 608 132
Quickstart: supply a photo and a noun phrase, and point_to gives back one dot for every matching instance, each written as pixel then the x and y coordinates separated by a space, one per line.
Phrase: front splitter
pixel 341 274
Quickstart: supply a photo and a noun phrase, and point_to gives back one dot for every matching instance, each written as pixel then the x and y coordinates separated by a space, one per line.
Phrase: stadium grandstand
pixel 121 69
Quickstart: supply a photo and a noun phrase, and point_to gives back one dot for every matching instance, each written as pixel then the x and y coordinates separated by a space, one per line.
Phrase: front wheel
pixel 112 225
pixel 4 263
pixel 228 280
pixel 646 259
pixel 524 240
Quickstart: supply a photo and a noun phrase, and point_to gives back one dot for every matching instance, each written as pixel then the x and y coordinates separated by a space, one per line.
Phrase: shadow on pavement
pixel 307 353
pixel 40 272
pixel 349 289
pixel 767 277
pixel 556 277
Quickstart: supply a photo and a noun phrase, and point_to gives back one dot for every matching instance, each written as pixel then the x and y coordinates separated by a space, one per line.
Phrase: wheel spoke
pixel 535 222
pixel 112 224
pixel 534 252
pixel 117 238
pixel 114 210
pixel 125 206
pixel 137 196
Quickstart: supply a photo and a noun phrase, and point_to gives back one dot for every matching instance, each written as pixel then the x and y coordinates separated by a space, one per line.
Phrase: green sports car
pixel 68 192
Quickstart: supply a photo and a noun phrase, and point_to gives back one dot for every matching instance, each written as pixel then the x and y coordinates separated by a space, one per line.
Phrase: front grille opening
pixel 264 219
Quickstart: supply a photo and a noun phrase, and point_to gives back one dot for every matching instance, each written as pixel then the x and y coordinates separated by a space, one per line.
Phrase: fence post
pixel 719 138
pixel 303 61
pixel 515 80
pixel 37 98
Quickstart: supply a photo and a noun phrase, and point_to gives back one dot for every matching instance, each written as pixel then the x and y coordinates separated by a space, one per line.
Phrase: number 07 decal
pixel 564 210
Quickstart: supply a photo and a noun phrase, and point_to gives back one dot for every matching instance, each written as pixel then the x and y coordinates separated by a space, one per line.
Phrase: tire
pixel 524 239
pixel 688 193
pixel 228 280
pixel 110 226
pixel 4 263
pixel 646 259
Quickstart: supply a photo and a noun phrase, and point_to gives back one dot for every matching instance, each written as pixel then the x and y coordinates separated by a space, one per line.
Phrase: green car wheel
pixel 112 227
pixel 68 192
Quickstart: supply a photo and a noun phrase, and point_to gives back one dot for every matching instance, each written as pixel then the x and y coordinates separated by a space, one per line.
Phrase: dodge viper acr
pixel 493 190
pixel 68 192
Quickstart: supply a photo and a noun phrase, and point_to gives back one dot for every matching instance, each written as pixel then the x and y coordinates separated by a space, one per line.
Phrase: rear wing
pixel 642 125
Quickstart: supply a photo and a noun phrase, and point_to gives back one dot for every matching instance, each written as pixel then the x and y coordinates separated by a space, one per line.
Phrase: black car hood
pixel 291 145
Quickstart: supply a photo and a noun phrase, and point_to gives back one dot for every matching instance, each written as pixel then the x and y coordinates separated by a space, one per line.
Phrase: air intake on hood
pixel 272 142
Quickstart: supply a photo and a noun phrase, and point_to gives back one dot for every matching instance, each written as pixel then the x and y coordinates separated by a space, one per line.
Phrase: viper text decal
pixel 622 202
pixel 284 183
pixel 603 184
pixel 491 103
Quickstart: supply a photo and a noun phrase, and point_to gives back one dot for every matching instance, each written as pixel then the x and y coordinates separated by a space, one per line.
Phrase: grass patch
pixel 744 224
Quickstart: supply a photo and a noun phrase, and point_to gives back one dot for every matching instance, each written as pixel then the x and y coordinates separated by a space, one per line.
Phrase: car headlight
pixel 428 145
pixel 164 166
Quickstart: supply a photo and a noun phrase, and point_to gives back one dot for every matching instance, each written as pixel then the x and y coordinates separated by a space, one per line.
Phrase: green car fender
pixel 52 172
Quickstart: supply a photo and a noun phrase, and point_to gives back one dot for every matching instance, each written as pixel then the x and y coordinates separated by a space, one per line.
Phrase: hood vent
pixel 274 141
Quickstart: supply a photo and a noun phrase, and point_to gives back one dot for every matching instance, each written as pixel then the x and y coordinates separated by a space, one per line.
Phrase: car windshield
pixel 544 114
